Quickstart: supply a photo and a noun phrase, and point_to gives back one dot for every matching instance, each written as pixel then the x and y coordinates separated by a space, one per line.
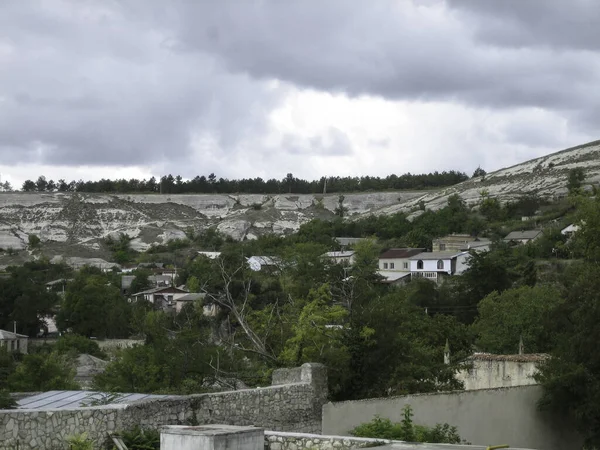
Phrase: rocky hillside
pixel 75 224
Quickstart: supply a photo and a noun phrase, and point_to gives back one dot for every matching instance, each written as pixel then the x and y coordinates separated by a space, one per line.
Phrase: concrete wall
pixel 483 417
pixel 285 407
pixel 486 374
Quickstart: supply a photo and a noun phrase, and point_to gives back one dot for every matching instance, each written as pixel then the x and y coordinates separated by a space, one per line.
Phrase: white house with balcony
pixel 394 264
pixel 437 265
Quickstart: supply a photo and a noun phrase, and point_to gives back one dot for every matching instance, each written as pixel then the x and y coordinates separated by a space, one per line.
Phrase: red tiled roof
pixel 394 253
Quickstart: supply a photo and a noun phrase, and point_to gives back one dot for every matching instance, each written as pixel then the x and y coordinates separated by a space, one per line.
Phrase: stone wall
pixel 302 441
pixel 483 417
pixel 284 407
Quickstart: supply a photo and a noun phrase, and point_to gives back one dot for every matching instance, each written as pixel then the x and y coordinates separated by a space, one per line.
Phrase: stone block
pixel 211 437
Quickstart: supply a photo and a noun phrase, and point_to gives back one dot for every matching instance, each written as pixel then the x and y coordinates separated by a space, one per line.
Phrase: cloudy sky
pixel 246 88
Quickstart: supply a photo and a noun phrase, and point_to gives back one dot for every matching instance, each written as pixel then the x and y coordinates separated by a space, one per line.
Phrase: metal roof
pixel 437 255
pixel 78 399
pixel 395 253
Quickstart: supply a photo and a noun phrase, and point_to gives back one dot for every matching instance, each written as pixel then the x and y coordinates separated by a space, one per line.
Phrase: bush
pixel 80 442
pixel 382 428
pixel 78 344
pixel 141 439
pixel 6 401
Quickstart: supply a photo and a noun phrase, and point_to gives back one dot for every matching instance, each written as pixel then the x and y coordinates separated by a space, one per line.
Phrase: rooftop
pixel 77 399
pixel 343 254
pixel 9 335
pixel 517 235
pixel 437 255
pixel 191 297
pixel 395 253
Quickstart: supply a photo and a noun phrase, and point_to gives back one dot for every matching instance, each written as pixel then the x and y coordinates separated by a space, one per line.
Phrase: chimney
pixel 447 353
pixel 15 326
pixel 521 346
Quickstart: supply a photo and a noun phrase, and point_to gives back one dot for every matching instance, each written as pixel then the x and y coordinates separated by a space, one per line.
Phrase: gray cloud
pixel 135 82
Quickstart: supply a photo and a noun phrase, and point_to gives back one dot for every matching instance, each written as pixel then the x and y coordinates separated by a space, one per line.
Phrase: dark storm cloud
pixel 84 84
pixel 395 49
pixel 556 24
pixel 134 82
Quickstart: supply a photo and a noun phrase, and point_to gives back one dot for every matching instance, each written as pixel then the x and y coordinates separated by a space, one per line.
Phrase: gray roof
pixel 76 399
pixel 347 240
pixel 191 297
pixel 9 335
pixel 436 255
pixel 520 235
pixel 344 254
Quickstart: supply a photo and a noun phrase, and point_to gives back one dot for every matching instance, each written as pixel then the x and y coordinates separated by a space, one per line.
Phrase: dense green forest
pixel 375 339
pixel 210 184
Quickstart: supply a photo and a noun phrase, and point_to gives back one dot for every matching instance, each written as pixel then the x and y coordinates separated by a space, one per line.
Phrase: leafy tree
pixel 25 299
pixel 571 377
pixel 94 307
pixel 398 349
pixel 575 180
pixel 479 172
pixel 587 239
pixel 517 312
pixel 140 282
pixel 318 334
pixel 76 345
pixel 33 241
pixel 40 372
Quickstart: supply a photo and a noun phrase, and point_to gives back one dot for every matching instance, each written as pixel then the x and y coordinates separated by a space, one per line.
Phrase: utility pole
pixel 325 186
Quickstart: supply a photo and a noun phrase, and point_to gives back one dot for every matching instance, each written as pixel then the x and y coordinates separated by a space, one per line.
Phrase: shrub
pixel 80 442
pixel 382 428
pixel 141 439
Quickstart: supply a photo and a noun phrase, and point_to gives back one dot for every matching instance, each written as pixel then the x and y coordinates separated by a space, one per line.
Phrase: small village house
pixel 341 257
pixel 523 237
pixel 161 297
pixel 460 243
pixel 394 265
pixel 14 342
pixel 258 263
pixel 187 299
pixel 570 230
pixel 347 242
pixel 437 265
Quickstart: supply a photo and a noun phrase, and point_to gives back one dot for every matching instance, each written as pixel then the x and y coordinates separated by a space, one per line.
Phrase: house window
pixel 405 265
pixel 18 342
pixel 12 345
pixel 419 265
pixel 440 264
pixel 391 265
pixel 385 265
pixel 442 247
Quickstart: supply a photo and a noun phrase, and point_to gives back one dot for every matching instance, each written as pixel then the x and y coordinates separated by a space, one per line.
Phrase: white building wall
pixel 431 266
pixel 397 262
pixel 494 374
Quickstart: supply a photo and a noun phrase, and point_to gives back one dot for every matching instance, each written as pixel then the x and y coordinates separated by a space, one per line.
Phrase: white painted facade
pixel 494 371
pixel 434 265
pixel 343 257
pixel 395 264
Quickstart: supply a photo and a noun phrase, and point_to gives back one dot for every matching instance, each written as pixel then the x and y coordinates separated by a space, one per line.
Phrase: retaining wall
pixel 483 417
pixel 283 407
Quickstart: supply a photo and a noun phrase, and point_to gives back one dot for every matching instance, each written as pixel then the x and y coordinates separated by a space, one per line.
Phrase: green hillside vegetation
pixel 376 340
